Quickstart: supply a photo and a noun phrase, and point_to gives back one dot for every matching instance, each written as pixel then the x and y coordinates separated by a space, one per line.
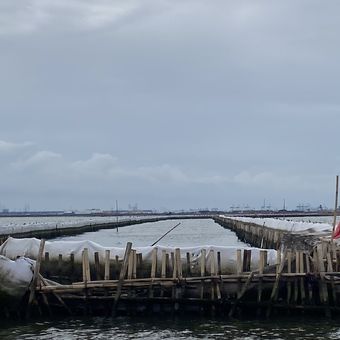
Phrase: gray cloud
pixel 171 103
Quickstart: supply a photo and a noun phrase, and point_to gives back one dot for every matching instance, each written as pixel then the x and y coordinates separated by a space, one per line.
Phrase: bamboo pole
pixel 86 265
pixel 163 270
pixel 134 269
pixel 203 256
pixel 35 279
pixel 188 267
pixel 121 277
pixel 107 265
pixel 97 265
pixel 336 205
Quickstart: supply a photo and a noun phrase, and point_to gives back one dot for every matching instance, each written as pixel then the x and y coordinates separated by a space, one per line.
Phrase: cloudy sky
pixel 168 103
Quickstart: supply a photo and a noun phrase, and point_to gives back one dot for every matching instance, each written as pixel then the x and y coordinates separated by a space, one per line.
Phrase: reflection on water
pixel 178 328
pixel 189 233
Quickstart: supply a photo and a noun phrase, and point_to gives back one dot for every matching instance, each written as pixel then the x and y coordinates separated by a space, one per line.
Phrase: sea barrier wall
pixel 262 236
pixel 58 231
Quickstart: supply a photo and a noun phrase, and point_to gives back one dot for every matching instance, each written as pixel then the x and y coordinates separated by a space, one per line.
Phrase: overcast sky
pixel 168 104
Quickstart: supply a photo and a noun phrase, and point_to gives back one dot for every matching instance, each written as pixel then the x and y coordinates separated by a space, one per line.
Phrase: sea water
pixel 189 232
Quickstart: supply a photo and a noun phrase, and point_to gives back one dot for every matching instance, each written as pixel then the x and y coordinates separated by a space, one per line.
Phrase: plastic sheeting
pixel 15 276
pixel 291 226
pixel 29 247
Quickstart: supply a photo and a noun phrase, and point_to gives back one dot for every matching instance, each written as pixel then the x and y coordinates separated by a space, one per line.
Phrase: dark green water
pixel 179 328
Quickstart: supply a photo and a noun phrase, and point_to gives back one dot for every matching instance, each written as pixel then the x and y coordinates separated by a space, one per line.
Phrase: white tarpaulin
pixel 298 227
pixel 15 276
pixel 29 247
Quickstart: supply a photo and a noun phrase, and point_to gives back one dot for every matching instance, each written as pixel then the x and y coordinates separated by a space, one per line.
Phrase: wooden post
pixel 212 272
pixel 261 268
pixel 219 263
pixel 289 270
pixel 130 266
pixel 188 264
pixel 167 262
pixel 163 270
pixel 278 261
pixel 246 260
pixel 72 276
pixel 165 258
pixel 47 265
pixel 302 281
pixel 60 266
pixel 330 269
pixel 117 266
pixel 121 277
pixel 308 270
pixel 107 265
pixel 86 266
pixel 181 286
pixel 336 205
pixel 139 264
pixel 323 291
pixel 238 261
pixel 275 291
pixel 97 265
pixel 174 265
pixel 297 270
pixel 154 262
pixel 242 292
pixel 35 279
pixel 179 263
pixel 134 267
pixel 203 256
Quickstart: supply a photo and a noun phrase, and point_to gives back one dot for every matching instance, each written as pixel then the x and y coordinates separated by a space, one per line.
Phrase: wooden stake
pixel 174 265
pixel 47 264
pixel 323 291
pixel 72 276
pixel 97 266
pixel 212 272
pixel 163 270
pixel 188 264
pixel 330 269
pixel 179 263
pixel 60 266
pixel 238 261
pixel 274 294
pixel 261 267
pixel 121 277
pixel 134 267
pixel 35 279
pixel 297 270
pixel 336 205
pixel 203 256
pixel 302 281
pixel 130 266
pixel 219 263
pixel 107 265
pixel 289 270
pixel 86 266
pixel 154 262
pixel 308 270
pixel 117 266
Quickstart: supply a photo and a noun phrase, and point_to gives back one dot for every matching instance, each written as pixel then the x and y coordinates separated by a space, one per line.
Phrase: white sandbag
pixel 15 276
pixel 29 247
